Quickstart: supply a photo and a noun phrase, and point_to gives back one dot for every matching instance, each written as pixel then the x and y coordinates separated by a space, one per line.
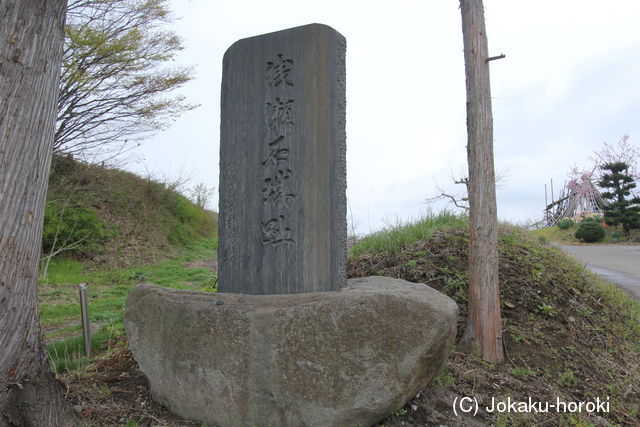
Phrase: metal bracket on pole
pixel 86 326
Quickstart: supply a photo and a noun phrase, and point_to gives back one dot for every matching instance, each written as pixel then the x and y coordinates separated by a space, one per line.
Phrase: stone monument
pixel 283 206
pixel 287 341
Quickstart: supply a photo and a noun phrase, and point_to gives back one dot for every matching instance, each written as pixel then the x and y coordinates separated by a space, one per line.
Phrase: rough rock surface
pixel 316 359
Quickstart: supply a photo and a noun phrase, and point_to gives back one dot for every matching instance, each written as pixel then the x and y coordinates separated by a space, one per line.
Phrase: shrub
pixel 590 232
pixel 565 223
pixel 616 236
pixel 188 221
pixel 77 227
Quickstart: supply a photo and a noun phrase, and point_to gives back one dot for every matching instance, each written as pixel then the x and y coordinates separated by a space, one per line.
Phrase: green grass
pixel 64 331
pixel 138 219
pixel 64 270
pixel 567 236
pixel 394 238
pixel 107 291
pixel 55 313
pixel 522 372
pixel 69 355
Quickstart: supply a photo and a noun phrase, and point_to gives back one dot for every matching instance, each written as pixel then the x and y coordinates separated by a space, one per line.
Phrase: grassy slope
pixel 131 230
pixel 567 334
pixel 119 218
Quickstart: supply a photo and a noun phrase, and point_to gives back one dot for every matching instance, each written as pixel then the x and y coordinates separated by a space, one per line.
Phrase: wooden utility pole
pixel 31 37
pixel 484 326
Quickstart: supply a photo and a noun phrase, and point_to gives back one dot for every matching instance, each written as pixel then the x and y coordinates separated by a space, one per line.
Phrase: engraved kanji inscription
pixel 277 152
pixel 278 115
pixel 276 232
pixel 277 196
pixel 279 71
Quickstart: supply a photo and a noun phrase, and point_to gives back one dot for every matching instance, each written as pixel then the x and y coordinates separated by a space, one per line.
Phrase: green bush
pixel 565 223
pixel 76 227
pixel 543 240
pixel 188 221
pixel 590 232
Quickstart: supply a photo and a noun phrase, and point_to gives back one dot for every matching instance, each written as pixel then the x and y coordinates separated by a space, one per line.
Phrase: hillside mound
pixel 109 216
pixel 566 334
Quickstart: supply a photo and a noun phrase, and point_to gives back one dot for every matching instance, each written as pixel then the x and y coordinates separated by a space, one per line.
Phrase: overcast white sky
pixel 570 81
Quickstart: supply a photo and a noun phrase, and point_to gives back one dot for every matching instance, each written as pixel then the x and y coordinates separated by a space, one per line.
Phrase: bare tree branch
pixel 115 87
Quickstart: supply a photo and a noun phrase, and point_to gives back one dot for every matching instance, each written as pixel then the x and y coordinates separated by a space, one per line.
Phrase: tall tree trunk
pixel 484 327
pixel 31 36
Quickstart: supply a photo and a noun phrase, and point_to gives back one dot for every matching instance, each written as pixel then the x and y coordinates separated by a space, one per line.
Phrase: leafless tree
pixel 201 195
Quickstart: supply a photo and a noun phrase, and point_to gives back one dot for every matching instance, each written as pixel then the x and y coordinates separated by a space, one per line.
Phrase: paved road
pixel 615 263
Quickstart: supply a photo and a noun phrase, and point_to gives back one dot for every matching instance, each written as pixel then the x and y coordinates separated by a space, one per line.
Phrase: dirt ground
pixel 207 263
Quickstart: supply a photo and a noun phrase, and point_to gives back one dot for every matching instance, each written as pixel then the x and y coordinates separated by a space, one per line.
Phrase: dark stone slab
pixel 283 163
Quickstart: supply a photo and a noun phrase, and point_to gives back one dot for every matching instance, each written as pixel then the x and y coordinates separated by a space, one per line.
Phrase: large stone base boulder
pixel 341 358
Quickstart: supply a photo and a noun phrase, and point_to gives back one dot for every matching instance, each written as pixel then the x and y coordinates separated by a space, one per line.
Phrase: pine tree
pixel 622 209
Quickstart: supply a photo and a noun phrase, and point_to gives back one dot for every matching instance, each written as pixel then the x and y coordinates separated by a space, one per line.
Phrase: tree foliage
pixel 116 87
pixel 590 232
pixel 76 229
pixel 623 207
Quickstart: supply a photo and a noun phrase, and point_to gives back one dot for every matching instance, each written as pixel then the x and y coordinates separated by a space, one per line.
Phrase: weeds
pixel 396 237
pixel 568 379
pixel 547 310
pixel 69 355
pixel 522 372
pixel 567 333
pixel 112 217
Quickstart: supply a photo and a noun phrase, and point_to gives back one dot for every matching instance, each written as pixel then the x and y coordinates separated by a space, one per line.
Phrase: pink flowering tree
pixel 622 151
